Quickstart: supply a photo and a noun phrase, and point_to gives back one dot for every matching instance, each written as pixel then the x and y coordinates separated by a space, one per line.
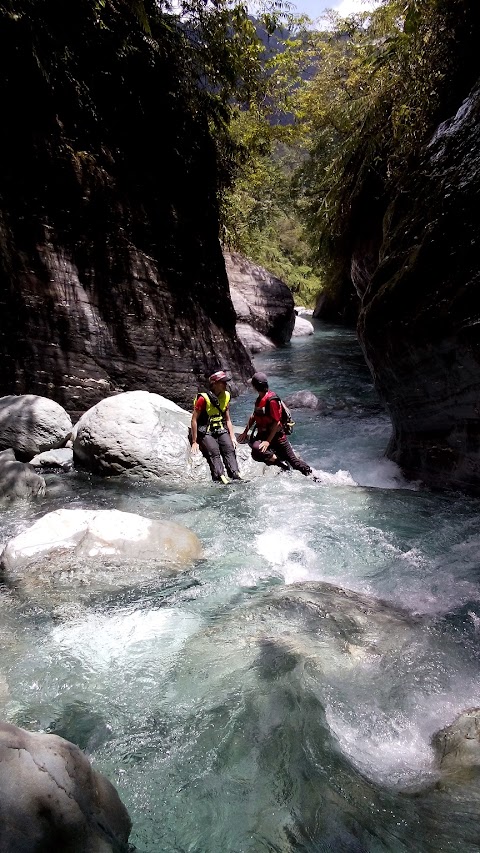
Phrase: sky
pixel 315 8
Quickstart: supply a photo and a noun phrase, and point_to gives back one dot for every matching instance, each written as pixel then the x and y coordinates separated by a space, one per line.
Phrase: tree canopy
pixel 296 126
pixel 378 84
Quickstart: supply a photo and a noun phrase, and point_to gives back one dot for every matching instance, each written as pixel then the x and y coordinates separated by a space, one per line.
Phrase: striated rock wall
pixel 62 337
pixel 260 299
pixel 419 323
pixel 111 273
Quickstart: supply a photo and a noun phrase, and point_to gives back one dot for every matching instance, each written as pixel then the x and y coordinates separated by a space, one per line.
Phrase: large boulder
pixel 252 340
pixel 260 299
pixel 145 436
pixel 79 551
pixel 18 480
pixel 30 424
pixel 138 433
pixel 51 799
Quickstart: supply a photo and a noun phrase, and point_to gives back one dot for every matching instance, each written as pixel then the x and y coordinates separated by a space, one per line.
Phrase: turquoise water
pixel 243 706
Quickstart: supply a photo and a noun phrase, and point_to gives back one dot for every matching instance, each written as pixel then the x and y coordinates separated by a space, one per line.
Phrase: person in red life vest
pixel 270 444
pixel 212 429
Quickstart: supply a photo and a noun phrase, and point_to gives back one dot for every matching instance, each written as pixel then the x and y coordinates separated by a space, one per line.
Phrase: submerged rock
pixel 79 552
pixel 300 697
pixel 18 480
pixel 457 746
pixel 30 424
pixel 305 400
pixel 52 799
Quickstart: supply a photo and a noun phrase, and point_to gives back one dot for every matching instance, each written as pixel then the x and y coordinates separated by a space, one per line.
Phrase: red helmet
pixel 219 376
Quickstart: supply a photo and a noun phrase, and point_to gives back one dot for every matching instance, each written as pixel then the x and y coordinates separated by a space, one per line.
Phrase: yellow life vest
pixel 212 419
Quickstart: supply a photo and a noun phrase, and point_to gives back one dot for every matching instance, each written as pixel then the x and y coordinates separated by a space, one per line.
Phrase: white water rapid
pixel 281 695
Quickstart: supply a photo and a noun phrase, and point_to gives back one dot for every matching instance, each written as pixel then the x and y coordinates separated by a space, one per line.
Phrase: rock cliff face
pixel 111 273
pixel 62 337
pixel 419 322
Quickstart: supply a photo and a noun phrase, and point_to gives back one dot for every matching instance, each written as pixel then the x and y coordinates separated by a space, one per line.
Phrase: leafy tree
pixel 385 80
pixel 259 214
pixel 105 101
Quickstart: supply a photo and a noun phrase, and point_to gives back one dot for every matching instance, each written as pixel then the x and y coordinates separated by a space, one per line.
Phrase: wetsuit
pixel 267 411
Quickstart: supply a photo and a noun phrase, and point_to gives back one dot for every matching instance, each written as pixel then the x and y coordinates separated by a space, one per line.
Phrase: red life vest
pixel 268 411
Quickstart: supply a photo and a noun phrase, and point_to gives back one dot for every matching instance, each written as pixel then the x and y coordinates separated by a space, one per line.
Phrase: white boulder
pixel 31 424
pixel 145 436
pixel 252 340
pixel 84 551
pixel 136 433
pixel 302 327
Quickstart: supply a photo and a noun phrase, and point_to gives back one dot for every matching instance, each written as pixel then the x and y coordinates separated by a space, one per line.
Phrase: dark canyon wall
pixel 419 321
pixel 111 273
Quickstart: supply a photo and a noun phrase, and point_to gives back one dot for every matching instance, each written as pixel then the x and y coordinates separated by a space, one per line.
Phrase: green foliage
pixel 116 111
pixel 259 214
pixel 385 79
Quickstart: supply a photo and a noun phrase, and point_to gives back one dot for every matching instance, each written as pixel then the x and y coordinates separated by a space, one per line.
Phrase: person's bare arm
pixel 228 421
pixel 243 436
pixel 264 445
pixel 193 426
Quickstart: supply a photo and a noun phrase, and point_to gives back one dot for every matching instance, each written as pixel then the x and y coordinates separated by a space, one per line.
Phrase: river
pixel 243 707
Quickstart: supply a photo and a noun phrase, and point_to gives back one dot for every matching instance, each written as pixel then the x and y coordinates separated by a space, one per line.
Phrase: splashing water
pixel 282 694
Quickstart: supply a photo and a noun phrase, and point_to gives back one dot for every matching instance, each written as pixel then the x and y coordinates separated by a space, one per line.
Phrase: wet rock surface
pixel 252 340
pixel 305 400
pixel 19 480
pixel 457 746
pixel 420 312
pixel 302 327
pixel 62 458
pixel 51 799
pixel 75 552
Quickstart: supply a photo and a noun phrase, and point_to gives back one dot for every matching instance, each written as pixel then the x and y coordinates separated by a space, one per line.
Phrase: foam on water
pixel 287 556
pixel 393 757
pixel 181 675
pixel 383 474
pixel 339 478
pixel 103 640
pixel 394 746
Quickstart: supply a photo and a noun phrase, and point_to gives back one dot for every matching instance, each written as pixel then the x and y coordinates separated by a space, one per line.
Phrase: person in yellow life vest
pixel 212 429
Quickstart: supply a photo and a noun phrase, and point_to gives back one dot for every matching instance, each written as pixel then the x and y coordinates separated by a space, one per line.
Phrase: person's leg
pixel 267 456
pixel 285 452
pixel 211 451
pixel 228 455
